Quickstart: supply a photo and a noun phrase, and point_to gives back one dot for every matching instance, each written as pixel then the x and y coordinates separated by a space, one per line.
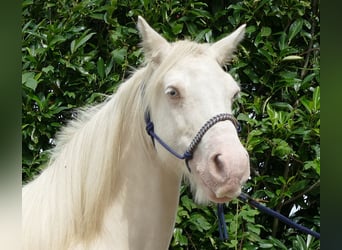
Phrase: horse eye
pixel 172 92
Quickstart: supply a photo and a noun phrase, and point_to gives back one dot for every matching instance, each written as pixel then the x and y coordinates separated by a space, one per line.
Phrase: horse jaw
pixel 154 45
pixel 223 49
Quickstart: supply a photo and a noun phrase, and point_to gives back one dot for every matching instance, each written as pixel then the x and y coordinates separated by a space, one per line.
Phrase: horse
pixel 113 181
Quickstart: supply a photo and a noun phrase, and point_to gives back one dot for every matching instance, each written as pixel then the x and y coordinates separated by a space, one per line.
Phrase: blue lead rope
pixel 245 198
pixel 221 222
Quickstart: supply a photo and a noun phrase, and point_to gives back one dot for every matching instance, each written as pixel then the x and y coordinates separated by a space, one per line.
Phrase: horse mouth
pixel 224 193
pixel 225 199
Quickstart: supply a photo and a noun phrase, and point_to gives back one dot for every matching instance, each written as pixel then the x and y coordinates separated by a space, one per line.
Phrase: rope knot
pixel 187 155
pixel 149 128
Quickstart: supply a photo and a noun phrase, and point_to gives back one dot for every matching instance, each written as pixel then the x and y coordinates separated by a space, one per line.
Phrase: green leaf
pixel 252 75
pixel 281 148
pixel 299 243
pixel 298 186
pixel 177 28
pixel 266 54
pixel 271 112
pixel 187 203
pixel 266 31
pixel 295 28
pixel 27 3
pixel 249 214
pixel 28 79
pixel 306 103
pixel 250 29
pixel 75 44
pixel 202 35
pixel 70 94
pixel 282 41
pixel 179 238
pixel 191 28
pixel 316 98
pixel 57 39
pixel 100 67
pixel 278 243
pixel 119 55
pixel 56 110
pixel 315 164
pixel 200 222
pixel 254 228
pixel 265 245
pixel 48 69
pixel 292 58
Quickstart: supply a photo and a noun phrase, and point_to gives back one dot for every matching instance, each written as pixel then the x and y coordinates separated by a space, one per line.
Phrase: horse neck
pixel 147 201
pixel 146 190
pixel 114 191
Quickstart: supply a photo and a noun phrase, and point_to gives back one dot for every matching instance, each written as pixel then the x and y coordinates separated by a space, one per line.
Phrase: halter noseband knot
pixel 197 139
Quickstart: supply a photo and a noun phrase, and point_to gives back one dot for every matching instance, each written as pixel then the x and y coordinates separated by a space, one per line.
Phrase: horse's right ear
pixel 224 48
pixel 154 45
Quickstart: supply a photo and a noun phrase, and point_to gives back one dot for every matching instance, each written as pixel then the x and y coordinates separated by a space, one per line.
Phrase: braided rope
pixel 208 125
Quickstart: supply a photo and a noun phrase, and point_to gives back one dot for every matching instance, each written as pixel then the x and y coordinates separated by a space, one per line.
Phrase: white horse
pixel 109 186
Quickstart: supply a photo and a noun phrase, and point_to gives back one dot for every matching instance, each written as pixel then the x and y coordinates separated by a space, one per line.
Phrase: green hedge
pixel 76 52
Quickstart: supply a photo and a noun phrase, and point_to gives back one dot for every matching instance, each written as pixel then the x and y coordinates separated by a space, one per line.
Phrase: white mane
pixel 83 166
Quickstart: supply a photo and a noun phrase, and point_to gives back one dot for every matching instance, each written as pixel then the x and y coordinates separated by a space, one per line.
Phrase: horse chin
pixel 221 200
pixel 204 194
pixel 222 195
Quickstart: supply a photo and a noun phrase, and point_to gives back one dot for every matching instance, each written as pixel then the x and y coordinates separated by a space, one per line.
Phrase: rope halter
pixel 187 155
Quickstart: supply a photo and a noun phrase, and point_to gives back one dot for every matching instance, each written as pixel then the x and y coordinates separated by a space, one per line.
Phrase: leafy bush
pixel 76 52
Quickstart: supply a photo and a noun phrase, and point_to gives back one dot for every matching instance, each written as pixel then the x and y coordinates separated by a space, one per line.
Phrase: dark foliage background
pixel 76 52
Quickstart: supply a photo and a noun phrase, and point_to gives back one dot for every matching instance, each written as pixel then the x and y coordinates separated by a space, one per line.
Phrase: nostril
pixel 218 163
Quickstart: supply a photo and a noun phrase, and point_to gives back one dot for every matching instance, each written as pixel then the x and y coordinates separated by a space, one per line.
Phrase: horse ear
pixel 154 45
pixel 223 49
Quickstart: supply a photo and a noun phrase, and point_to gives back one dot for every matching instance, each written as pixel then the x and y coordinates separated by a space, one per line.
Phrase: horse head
pixel 186 88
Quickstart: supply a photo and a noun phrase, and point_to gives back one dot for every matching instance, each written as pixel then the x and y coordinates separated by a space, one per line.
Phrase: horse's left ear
pixel 154 45
pixel 223 49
